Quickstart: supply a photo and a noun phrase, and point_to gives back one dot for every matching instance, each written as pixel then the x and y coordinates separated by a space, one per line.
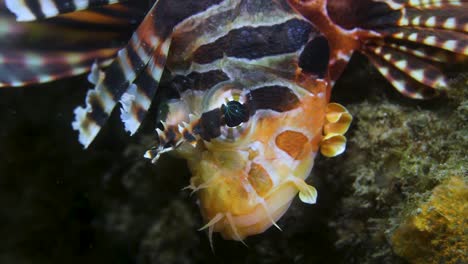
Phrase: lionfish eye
pixel 234 113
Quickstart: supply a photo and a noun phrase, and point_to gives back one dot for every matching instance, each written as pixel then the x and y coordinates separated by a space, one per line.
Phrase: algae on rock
pixel 397 153
pixel 437 232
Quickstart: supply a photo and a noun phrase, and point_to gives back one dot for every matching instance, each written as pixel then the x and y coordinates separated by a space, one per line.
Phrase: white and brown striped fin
pixel 415 68
pixel 426 32
pixel 424 52
pixel 137 100
pixel 417 38
pixel 400 80
pixel 30 10
pixel 21 69
pixel 147 49
pixel 60 47
pixel 407 40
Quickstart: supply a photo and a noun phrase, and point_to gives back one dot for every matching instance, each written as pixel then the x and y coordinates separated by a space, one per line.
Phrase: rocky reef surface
pixel 397 195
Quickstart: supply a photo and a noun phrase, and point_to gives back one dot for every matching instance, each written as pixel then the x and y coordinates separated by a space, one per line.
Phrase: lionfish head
pixel 250 144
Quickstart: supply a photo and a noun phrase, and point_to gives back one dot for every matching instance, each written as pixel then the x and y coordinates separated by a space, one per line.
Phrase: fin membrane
pixel 409 41
pixel 30 10
pixel 418 36
pixel 63 46
pixel 137 100
pixel 133 77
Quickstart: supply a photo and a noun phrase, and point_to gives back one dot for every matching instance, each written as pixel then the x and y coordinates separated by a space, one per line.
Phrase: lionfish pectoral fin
pixel 131 79
pixel 62 46
pixel 415 39
pixel 137 99
pixel 40 9
pixel 406 40
pixel 96 74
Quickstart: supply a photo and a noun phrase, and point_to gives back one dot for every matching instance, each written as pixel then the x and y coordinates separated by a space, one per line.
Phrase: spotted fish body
pixel 250 83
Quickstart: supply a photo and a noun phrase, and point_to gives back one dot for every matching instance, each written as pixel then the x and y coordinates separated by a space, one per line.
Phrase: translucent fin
pixel 118 79
pixel 21 69
pixel 141 93
pixel 456 42
pixel 60 47
pixel 414 35
pixel 419 70
pixel 146 51
pixel 307 193
pixel 402 38
pixel 427 53
pixel 446 17
pixel 400 80
pixel 40 9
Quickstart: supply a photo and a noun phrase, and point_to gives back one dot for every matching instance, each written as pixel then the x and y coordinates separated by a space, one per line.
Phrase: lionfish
pixel 248 82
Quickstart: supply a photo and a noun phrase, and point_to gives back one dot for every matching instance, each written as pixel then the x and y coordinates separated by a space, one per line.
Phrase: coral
pixel 437 233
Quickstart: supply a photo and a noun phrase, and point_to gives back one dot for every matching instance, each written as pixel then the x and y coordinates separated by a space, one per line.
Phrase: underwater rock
pixel 398 151
pixel 437 232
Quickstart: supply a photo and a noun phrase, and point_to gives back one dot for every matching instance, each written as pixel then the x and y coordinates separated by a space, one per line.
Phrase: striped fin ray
pixel 426 32
pixel 439 15
pixel 115 17
pixel 431 3
pixel 400 81
pixel 30 10
pixel 436 23
pixel 21 69
pixel 51 49
pixel 148 44
pixel 448 40
pixel 417 69
pixel 448 18
pixel 410 40
pixel 116 80
pixel 425 52
pixel 137 100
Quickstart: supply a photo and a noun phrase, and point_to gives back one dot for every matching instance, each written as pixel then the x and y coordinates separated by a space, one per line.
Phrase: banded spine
pixel 61 46
pixel 145 54
pixel 402 38
pixel 29 10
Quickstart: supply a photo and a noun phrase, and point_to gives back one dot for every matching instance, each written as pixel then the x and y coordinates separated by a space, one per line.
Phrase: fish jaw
pixel 247 198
